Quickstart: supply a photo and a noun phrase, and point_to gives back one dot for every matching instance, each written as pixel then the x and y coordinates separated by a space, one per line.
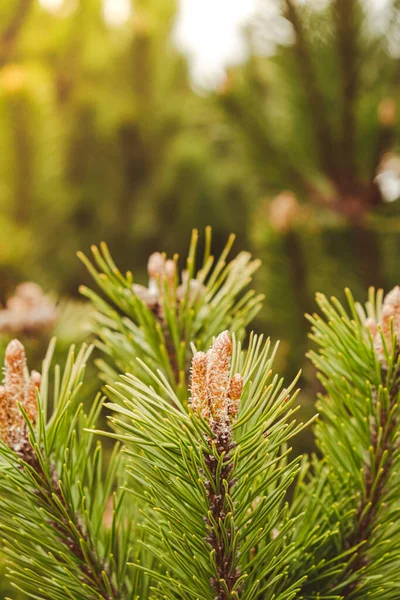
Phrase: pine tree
pixel 202 496
pixel 315 110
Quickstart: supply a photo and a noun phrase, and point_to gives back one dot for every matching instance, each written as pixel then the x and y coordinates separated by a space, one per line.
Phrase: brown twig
pixel 225 568
pixel 69 535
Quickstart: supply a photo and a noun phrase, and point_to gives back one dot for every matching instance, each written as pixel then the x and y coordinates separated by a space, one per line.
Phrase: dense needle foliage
pixel 202 496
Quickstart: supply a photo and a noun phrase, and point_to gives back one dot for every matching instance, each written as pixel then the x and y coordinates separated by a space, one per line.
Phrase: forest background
pixel 105 135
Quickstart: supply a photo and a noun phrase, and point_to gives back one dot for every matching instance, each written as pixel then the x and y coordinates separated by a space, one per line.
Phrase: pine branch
pixel 384 442
pixel 70 530
pixel 161 321
pixel 358 434
pixel 383 448
pixel 54 493
pixel 205 511
pixel 215 474
pixel 215 397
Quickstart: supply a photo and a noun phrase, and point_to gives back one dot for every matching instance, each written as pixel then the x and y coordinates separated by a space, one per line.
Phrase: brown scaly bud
pixel 4 433
pixel 146 295
pixel 18 388
pixel 218 362
pixel 164 271
pixel 15 366
pixel 235 392
pixel 199 398
pixel 214 395
pixel 392 303
pixel 196 288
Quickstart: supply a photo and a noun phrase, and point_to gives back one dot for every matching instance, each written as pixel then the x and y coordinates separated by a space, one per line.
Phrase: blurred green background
pixel 106 133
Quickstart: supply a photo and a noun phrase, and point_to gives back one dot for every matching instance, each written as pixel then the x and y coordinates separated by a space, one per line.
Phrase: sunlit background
pixel 133 121
pixel 136 120
pixel 209 32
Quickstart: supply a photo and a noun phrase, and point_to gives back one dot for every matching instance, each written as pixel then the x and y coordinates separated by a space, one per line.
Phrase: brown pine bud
pixel 387 317
pixel 392 301
pixel 4 415
pixel 17 390
pixel 15 368
pixel 199 400
pixel 146 295
pixel 218 363
pixel 235 392
pixel 389 321
pixel 30 292
pixel 29 311
pixel 196 289
pixel 214 395
pixel 170 270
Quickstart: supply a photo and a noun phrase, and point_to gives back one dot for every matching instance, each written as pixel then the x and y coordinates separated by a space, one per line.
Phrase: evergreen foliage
pixel 315 111
pixel 214 482
pixel 54 492
pixel 358 434
pixel 202 496
pixel 159 322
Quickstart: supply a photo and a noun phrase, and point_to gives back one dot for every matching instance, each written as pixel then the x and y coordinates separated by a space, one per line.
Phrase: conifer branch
pixel 46 475
pixel 218 470
pixel 204 513
pixel 216 397
pixel 358 434
pixel 383 448
pixel 160 322
pixel 384 437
